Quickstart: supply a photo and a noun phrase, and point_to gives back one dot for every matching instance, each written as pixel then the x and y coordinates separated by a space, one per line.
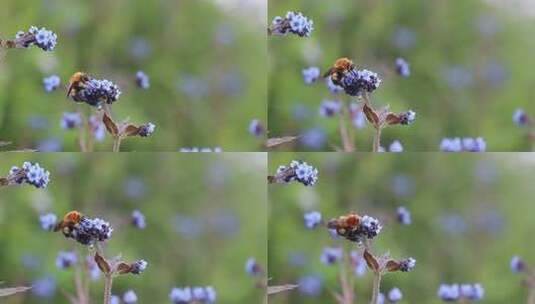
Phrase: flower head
pixel 403 216
pixel 48 221
pixel 396 146
pixel 293 22
pixel 402 67
pixel 142 80
pixel 331 255
pixel 138 219
pixel 41 37
pixel 66 259
pixel 71 120
pixel 407 265
pixel 356 82
pixel 139 266
pixel 466 144
pixel 330 108
pixel 30 173
pixel 147 129
pixel 51 83
pixel 312 219
pixel 130 297
pixel 98 129
pixel 311 74
pixel 98 91
pixel 203 150
pixel 521 118
pixel 449 292
pixel 89 231
pixel 256 128
pixel 395 295
pixel 252 267
pixel 517 264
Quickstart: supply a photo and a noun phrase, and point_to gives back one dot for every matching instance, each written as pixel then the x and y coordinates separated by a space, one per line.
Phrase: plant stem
pixel 376 287
pixel 81 132
pixel 531 298
pixel 117 144
pixel 377 140
pixel 346 141
pixel 108 281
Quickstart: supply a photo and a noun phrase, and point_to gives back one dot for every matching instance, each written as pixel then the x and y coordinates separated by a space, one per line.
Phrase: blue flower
pixel 139 266
pixel 256 128
pixel 98 91
pixel 517 264
pixel 312 219
pixel 130 297
pixel 395 295
pixel 396 147
pixel 252 267
pixel 330 108
pixel 407 265
pixel 358 81
pixel 71 120
pixel 466 144
pixel 66 259
pixel 294 23
pixel 402 67
pixel 30 173
pixel 403 216
pixel 331 255
pixel 42 38
pixel 311 74
pixel 142 80
pixel 449 293
pixel 520 118
pixel 370 226
pixel 48 221
pixel 138 219
pixel 51 83
pixel 147 129
pixel 310 285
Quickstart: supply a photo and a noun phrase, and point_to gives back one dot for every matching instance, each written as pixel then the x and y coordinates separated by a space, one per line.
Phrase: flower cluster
pixel 89 231
pixel 311 75
pixel 205 295
pixel 294 23
pixel 142 80
pixel 297 171
pixel 456 292
pixel 48 221
pixel 256 128
pixel 463 145
pixel 407 118
pixel 356 228
pixel 71 120
pixel 51 83
pixel 30 173
pixel 402 67
pixel 330 108
pixel 138 266
pixel 97 91
pixel 252 267
pixel 196 149
pixel 41 37
pixel 66 259
pixel 146 130
pixel 138 219
pixel 407 265
pixel 355 82
pixel 312 219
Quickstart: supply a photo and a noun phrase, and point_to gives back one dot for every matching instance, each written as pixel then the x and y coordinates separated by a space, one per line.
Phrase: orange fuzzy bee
pixel 77 82
pixel 68 222
pixel 339 69
pixel 345 223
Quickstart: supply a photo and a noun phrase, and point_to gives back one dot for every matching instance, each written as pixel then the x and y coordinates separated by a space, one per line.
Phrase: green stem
pixel 531 298
pixel 376 287
pixel 117 144
pixel 107 288
pixel 377 140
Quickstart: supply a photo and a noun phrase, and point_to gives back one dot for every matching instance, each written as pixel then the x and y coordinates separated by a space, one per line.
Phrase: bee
pixel 345 223
pixel 68 223
pixel 339 70
pixel 77 82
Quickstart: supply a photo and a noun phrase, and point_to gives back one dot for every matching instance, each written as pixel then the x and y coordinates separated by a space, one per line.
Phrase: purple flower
pixel 252 267
pixel 331 255
pixel 403 216
pixel 407 265
pixel 520 118
pixel 395 295
pixel 310 285
pixel 48 221
pixel 71 120
pixel 402 67
pixel 66 259
pixel 147 129
pixel 330 108
pixel 142 80
pixel 138 219
pixel 449 293
pixel 30 173
pixel 370 226
pixel 311 74
pixel 51 83
pixel 466 144
pixel 90 231
pixel 139 266
pixel 474 292
pixel 312 219
pixel 294 23
pixel 130 297
pixel 358 81
pixel 517 264
pixel 396 147
pixel 256 128
pixel 44 287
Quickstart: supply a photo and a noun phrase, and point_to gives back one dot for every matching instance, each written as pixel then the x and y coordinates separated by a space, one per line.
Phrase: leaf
pixel 124 268
pixel 371 115
pixel 371 261
pixel 111 126
pixel 393 119
pixel 277 141
pixel 280 288
pixel 392 266
pixel 131 130
pixel 4 292
pixel 102 263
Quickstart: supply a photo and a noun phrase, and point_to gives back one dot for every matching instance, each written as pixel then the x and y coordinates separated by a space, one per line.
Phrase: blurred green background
pixel 470 215
pixel 200 228
pixel 206 61
pixel 470 69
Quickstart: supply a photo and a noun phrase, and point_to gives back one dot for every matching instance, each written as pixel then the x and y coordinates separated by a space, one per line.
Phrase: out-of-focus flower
pixel 357 115
pixel 395 295
pixel 521 118
pixel 51 83
pixel 311 74
pixel 517 264
pixel 44 287
pixel 466 144
pixel 310 285
pixel 139 266
pixel 130 297
pixel 294 23
pixel 202 150
pixel 403 216
pixel 312 219
pixel 48 221
pixel 71 120
pixel 313 138
pixel 330 108
pixel 252 267
pixel 98 129
pixel 449 292
pixel 402 67
pixel 142 80
pixel 404 38
pixel 138 219
pixel 66 259
pixel 396 147
pixel 331 255
pixel 256 128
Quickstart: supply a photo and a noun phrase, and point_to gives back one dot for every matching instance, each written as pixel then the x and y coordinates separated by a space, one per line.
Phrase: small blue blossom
pixel 310 285
pixel 449 293
pixel 402 67
pixel 407 265
pixel 130 297
pixel 313 138
pixel 358 263
pixel 381 298
pixel 98 91
pixel 330 108
pixel 48 221
pixel 331 255
pixel 66 259
pixel 297 171
pixel 474 292
pixel 370 226
pixel 403 216
pixel 312 219
pixel 115 299
pixel 44 287
pixel 98 129
pixel 311 74
pixel 357 82
pixel 138 219
pixel 521 118
pixel 256 128
pixel 41 37
pixel 139 266
pixel 395 295
pixel 517 264
pixel 407 118
pixel 51 83
pixel 252 267
pixel 396 147
pixel 142 80
pixel 147 129
pixel 357 115
pixel 181 295
pixel 202 150
pixel 71 120
pixel 294 23
pixel 474 144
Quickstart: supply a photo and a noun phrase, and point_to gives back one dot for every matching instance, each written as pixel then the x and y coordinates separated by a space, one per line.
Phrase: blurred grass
pixel 471 40
pixel 205 63
pixel 215 193
pixel 470 213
